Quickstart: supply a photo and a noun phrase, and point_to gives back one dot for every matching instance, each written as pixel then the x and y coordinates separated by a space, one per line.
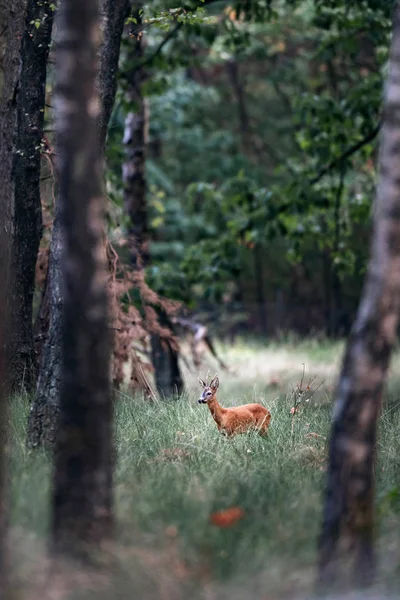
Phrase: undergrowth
pixel 174 471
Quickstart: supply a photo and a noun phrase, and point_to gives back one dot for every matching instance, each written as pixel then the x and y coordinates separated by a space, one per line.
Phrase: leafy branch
pixel 349 152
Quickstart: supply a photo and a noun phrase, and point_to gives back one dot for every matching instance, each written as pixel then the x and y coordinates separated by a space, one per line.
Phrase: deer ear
pixel 202 383
pixel 214 383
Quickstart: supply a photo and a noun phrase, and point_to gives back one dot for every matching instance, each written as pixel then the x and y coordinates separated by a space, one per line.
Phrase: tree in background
pixel 134 140
pixel 348 522
pixel 82 487
pixel 112 18
pixel 164 352
pixel 269 210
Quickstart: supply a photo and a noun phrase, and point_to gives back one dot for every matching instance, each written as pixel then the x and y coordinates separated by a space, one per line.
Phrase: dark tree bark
pixel 42 320
pixel 259 278
pixel 133 169
pixel 7 129
pixel 5 244
pixel 232 68
pixel 42 426
pixel 346 545
pixel 26 176
pixel 164 357
pixel 113 14
pixel 8 112
pixel 5 260
pixel 82 489
pixel 335 291
pixel 8 120
pixel 165 360
pixel 43 416
pixel 3 25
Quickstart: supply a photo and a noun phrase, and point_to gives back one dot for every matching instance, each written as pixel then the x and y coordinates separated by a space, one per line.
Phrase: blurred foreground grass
pixel 174 470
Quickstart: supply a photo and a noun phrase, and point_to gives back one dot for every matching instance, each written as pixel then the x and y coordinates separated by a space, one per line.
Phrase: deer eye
pixel 208 393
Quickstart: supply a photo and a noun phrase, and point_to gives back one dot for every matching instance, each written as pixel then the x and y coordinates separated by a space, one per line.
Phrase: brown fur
pixel 234 420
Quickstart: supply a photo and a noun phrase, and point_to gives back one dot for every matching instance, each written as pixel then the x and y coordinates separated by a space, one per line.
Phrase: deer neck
pixel 216 410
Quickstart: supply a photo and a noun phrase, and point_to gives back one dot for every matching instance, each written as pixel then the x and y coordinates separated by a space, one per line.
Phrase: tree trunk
pixel 113 14
pixel 42 426
pixel 259 279
pixel 5 262
pixel 5 243
pixel 346 545
pixel 43 416
pixel 133 169
pixel 8 120
pixel 15 21
pixel 82 490
pixel 3 25
pixel 165 357
pixel 232 68
pixel 42 321
pixel 26 176
pixel 336 284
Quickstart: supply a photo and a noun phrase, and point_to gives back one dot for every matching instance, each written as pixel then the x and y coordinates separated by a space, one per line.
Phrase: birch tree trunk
pixel 82 485
pixel 346 546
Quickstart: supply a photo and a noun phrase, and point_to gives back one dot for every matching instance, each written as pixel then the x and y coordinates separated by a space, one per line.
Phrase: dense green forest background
pixel 261 146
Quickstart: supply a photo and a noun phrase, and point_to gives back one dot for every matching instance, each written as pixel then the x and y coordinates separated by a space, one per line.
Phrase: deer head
pixel 209 391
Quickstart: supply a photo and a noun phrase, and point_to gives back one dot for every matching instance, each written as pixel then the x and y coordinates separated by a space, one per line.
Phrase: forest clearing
pixel 175 470
pixel 199 299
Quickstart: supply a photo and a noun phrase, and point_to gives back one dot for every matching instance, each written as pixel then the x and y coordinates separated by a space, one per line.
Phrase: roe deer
pixel 239 419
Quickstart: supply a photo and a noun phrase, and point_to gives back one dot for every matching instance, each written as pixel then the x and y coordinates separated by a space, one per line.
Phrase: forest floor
pixel 174 471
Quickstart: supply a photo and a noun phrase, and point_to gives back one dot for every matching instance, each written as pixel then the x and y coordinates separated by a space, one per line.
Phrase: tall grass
pixel 174 470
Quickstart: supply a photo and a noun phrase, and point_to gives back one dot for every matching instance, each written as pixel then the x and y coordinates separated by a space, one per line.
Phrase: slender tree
pixel 5 261
pixel 8 120
pixel 3 25
pixel 113 14
pixel 346 545
pixel 43 416
pixel 14 19
pixel 135 133
pixel 164 355
pixel 26 183
pixel 5 258
pixel 82 493
pixel 42 426
pixel 5 244
pixel 7 130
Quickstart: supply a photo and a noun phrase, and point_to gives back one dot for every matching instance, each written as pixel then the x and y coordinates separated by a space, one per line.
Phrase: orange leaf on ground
pixel 228 517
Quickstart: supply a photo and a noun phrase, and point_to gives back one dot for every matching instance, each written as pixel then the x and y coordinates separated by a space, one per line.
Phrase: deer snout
pixel 201 401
